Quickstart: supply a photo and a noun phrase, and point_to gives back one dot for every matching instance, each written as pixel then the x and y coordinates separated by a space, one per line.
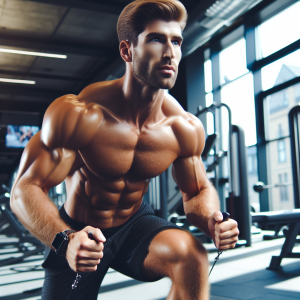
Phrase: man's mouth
pixel 166 69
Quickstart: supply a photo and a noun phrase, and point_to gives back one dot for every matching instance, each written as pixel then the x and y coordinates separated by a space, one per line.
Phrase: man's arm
pixel 200 199
pixel 46 161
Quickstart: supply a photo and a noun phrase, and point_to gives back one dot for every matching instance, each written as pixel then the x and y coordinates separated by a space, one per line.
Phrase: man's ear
pixel 125 51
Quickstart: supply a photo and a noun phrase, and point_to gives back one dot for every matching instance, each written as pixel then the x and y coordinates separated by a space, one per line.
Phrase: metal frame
pixel 294 126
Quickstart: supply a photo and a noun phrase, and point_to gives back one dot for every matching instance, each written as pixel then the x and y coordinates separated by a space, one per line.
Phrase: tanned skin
pixel 106 143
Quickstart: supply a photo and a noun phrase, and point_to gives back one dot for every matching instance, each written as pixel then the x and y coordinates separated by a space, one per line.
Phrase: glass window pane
pixel 279 31
pixel 210 127
pixel 252 177
pixel 233 61
pixel 210 123
pixel 281 70
pixel 239 95
pixel 208 76
pixel 281 197
pixel 276 109
pixel 209 99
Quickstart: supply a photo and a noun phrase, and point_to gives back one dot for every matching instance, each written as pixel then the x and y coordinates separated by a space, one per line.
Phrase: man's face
pixel 157 54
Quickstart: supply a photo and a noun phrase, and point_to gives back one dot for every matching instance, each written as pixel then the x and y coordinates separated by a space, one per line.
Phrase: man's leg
pixel 181 257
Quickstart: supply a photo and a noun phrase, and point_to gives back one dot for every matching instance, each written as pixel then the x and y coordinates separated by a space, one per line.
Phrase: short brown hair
pixel 134 17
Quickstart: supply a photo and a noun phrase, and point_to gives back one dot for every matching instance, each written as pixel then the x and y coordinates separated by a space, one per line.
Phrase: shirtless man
pixel 106 143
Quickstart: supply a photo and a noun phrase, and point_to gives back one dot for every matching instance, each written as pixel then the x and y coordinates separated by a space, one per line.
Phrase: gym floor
pixel 239 274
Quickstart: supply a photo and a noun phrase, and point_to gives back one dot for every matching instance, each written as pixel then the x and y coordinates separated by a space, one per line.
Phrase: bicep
pixel 189 174
pixel 43 166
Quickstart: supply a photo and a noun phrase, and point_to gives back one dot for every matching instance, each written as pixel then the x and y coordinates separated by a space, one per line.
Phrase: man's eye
pixel 156 40
pixel 176 43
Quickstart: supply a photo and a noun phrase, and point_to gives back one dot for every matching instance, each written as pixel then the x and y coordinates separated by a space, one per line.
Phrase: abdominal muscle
pixel 103 203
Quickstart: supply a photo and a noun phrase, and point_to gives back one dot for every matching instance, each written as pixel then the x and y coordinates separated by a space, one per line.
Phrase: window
pixel 278 31
pixel 281 70
pixel 209 96
pixel 208 76
pixel 233 62
pixel 239 95
pixel 236 89
pixel 277 107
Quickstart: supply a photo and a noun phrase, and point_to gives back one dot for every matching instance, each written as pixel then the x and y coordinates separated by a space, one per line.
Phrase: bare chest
pixel 117 150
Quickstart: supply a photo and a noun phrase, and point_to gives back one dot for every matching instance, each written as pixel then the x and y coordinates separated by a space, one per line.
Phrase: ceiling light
pixel 33 53
pixel 17 81
pixel 7 195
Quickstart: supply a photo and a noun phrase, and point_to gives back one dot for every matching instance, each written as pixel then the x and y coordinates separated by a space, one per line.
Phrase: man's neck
pixel 142 103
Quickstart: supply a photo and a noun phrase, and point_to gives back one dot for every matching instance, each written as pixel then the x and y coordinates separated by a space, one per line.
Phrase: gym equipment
pixel 237 204
pixel 260 186
pixel 291 219
pixel 4 199
pixel 209 144
pixel 213 109
pixel 294 126
pixel 26 241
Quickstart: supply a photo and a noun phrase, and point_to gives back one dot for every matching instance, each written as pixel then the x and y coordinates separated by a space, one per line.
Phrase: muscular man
pixel 106 143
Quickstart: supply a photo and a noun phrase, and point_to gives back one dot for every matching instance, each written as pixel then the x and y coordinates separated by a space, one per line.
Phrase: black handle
pixel 226 216
pixel 91 237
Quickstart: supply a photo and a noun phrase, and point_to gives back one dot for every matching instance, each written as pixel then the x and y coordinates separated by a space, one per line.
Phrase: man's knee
pixel 179 247
pixel 191 251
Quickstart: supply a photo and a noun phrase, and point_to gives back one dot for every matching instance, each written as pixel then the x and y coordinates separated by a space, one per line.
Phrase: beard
pixel 150 74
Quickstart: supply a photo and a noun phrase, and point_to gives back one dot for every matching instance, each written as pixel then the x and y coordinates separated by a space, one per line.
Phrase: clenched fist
pixel 84 254
pixel 225 234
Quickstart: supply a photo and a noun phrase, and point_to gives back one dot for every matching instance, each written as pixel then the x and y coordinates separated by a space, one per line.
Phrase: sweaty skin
pixel 105 160
pixel 106 143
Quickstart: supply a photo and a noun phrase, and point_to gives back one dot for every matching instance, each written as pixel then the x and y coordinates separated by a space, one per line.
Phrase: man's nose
pixel 169 50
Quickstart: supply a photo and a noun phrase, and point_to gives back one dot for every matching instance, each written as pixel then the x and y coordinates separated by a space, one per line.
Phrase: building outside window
pixel 281 145
pixel 284 196
pixel 281 151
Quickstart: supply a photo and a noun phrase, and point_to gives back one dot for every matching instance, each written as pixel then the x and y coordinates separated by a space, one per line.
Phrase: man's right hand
pixel 84 254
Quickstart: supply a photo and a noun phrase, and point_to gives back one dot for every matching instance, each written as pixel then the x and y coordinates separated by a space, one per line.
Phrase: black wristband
pixel 61 242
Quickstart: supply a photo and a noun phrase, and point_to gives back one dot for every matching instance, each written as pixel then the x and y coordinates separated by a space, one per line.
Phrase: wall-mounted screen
pixel 18 136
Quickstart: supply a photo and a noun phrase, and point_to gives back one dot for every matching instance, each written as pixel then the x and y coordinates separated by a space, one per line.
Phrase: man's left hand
pixel 224 234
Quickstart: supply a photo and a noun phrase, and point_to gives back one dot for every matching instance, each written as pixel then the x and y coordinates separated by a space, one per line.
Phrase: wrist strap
pixel 62 250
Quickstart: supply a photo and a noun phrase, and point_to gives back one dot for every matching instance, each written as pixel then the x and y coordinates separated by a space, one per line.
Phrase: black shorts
pixel 125 249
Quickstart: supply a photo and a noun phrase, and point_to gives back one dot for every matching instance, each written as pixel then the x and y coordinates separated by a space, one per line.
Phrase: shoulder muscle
pixel 69 123
pixel 190 134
